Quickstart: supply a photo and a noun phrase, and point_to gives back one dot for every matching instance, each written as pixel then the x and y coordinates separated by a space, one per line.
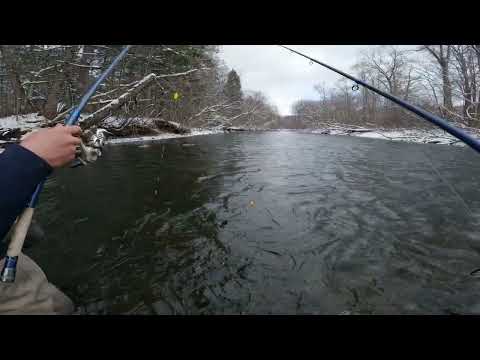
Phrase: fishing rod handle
pixel 19 233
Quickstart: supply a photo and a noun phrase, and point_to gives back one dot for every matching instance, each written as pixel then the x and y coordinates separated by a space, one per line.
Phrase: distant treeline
pixel 444 79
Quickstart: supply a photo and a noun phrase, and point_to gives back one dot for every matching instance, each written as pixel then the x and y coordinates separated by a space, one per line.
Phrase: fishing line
pixel 452 189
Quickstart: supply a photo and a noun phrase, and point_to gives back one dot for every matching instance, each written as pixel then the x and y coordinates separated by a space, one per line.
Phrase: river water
pixel 266 223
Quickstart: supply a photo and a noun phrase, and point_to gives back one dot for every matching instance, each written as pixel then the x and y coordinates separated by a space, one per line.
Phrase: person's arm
pixel 20 172
pixel 23 166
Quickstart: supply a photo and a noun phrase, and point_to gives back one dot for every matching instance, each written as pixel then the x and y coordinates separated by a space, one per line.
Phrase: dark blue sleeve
pixel 20 172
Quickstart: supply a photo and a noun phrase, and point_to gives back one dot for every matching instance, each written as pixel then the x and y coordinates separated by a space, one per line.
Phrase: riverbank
pixel 404 135
pixel 22 124
pixel 422 136
pixel 142 139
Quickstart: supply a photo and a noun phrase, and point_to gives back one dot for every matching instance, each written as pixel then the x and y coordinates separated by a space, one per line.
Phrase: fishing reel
pixel 90 148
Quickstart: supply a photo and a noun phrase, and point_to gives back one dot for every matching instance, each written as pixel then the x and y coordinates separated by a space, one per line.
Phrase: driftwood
pixel 11 134
pixel 170 126
pixel 133 129
pixel 337 130
pixel 145 128
pixel 230 129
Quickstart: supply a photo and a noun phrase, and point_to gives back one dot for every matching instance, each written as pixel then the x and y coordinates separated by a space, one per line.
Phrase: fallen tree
pixel 107 110
pixel 96 118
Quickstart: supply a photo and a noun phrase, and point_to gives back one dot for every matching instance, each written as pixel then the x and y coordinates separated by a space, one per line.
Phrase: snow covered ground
pixel 195 132
pixel 31 121
pixel 433 136
pixel 417 136
pixel 24 122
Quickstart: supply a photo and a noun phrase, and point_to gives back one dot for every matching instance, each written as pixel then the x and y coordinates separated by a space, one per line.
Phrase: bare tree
pixel 466 77
pixel 442 56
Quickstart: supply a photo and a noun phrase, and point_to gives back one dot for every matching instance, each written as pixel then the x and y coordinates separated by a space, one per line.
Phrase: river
pixel 266 223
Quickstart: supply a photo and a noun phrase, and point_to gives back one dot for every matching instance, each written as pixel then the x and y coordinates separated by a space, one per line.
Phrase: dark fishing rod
pixel 434 119
pixel 20 228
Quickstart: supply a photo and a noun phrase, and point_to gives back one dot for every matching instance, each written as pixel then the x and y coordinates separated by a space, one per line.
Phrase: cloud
pixel 285 77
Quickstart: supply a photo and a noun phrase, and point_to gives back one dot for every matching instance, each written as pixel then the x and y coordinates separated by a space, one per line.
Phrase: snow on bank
pixel 24 122
pixel 194 132
pixel 434 136
pixel 32 121
pixel 146 139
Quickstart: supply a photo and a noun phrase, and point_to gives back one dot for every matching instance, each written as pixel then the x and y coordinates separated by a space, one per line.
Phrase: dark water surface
pixel 264 223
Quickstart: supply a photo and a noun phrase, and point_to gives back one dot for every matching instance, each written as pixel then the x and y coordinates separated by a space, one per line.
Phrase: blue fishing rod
pixel 21 226
pixel 460 134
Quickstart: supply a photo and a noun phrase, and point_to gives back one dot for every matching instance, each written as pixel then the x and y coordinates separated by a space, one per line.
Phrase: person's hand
pixel 57 145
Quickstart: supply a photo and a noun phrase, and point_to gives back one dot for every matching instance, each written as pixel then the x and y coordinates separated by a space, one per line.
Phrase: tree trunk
pixel 465 80
pixel 447 89
pixel 442 56
pixel 21 102
pixel 50 108
pixel 84 72
pixel 477 95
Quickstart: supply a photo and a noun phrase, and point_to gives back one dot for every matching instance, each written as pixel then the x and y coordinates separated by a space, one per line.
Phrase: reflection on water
pixel 277 222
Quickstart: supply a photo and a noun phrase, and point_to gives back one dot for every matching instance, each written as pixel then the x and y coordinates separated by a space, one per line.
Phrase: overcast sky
pixel 283 76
